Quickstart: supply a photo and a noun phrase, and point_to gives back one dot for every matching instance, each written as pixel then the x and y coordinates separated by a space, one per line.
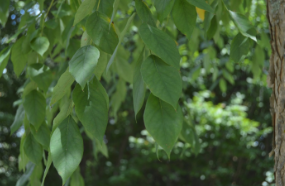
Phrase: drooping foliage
pixel 81 58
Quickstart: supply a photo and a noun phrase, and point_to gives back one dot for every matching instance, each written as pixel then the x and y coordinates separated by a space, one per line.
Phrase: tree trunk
pixel 276 80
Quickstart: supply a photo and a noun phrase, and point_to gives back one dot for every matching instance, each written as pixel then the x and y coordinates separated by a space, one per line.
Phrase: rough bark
pixel 276 80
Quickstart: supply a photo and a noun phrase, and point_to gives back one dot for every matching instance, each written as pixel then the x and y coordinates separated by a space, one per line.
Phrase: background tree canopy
pixel 124 92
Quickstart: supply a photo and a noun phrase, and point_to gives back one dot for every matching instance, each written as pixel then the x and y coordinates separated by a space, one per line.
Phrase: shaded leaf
pixel 239 47
pixel 184 16
pixel 91 107
pixel 138 85
pixel 97 27
pixel 163 81
pixel 35 108
pixel 202 4
pixel 144 13
pixel 161 44
pixel 163 122
pixel 33 149
pixel 42 135
pixel 163 8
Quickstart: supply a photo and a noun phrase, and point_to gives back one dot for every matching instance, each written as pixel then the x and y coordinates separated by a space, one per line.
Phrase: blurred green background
pixel 227 103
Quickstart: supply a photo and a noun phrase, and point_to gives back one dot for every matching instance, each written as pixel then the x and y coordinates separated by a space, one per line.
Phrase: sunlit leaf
pixel 66 147
pixel 83 63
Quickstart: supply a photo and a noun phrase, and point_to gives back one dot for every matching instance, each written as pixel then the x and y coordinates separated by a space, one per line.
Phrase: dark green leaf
pixel 120 40
pixel 35 108
pixel 66 147
pixel 163 8
pixel 239 47
pixel 144 13
pixel 161 44
pixel 138 85
pixel 101 65
pixel 163 81
pixel 106 7
pixel 184 16
pixel 83 63
pixel 4 11
pixel 33 149
pixel 42 135
pixel 163 122
pixel 91 107
pixel 202 4
pixel 97 27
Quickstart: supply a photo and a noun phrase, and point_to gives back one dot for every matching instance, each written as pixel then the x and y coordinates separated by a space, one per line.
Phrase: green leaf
pixel 43 77
pixel 42 135
pixel 138 85
pixel 97 27
pixel 83 63
pixel 202 4
pixel 91 107
pixel 48 164
pixel 161 44
pixel 212 28
pixel 18 57
pixel 84 9
pixel 4 57
pixel 101 65
pixel 66 147
pixel 239 47
pixel 35 108
pixel 62 86
pixel 106 7
pixel 23 159
pixel 124 69
pixel 243 25
pixel 115 7
pixel 85 39
pixel 144 13
pixel 25 177
pixel 163 8
pixel 223 85
pixel 228 76
pixel 40 45
pixel 18 120
pixel 184 16
pixel 33 149
pixel 77 179
pixel 162 122
pixel 65 107
pixel 187 134
pixel 4 11
pixel 120 40
pixel 163 81
pixel 118 97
